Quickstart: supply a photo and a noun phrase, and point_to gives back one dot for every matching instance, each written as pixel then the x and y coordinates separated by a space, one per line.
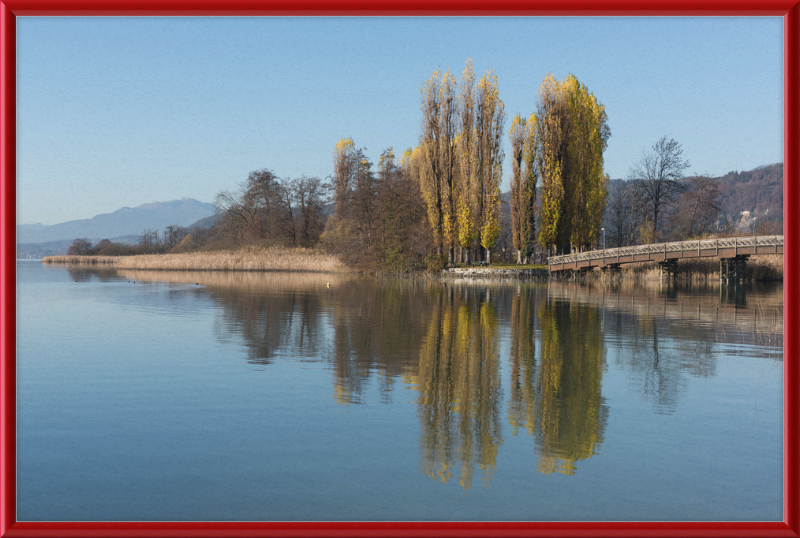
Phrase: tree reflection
pixel 523 363
pixel 569 411
pixel 460 392
pixel 377 329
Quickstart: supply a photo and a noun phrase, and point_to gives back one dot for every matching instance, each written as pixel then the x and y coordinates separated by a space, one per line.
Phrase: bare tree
pixel 660 173
pixel 80 247
pixel 310 194
pixel 288 212
pixel 149 241
pixel 626 214
pixel 173 235
pixel 698 208
pixel 263 188
pixel 239 211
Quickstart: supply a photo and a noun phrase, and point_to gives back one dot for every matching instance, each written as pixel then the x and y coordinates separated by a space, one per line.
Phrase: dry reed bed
pixel 246 259
pixel 767 267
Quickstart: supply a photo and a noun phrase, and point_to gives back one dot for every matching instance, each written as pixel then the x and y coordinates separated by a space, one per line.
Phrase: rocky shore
pixel 492 272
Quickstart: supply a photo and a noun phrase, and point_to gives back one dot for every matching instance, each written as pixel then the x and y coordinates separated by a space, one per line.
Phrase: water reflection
pixel 735 293
pixel 570 414
pixel 377 330
pixel 443 340
pixel 458 378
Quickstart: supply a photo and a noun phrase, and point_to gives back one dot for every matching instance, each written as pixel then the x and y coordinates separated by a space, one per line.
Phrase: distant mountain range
pixel 122 222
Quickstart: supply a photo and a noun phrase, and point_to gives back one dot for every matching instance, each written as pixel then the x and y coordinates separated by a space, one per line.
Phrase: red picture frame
pixel 788 9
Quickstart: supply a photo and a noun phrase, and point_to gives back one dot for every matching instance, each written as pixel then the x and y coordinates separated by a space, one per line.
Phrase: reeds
pixel 759 268
pixel 83 260
pixel 246 259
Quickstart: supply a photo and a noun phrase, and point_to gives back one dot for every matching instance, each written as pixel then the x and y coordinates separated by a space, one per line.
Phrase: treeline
pixel 657 203
pixel 759 191
pixel 458 165
pixel 440 203
pixel 150 242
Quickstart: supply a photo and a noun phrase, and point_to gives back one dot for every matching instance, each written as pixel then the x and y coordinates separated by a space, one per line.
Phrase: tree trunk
pixel 451 252
pixel 519 257
pixel 488 256
pixel 468 255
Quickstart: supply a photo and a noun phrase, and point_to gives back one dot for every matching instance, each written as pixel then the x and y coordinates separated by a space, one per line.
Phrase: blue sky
pixel 115 112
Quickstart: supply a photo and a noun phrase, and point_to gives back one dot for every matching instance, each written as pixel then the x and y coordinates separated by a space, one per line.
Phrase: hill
pixel 758 191
pixel 744 195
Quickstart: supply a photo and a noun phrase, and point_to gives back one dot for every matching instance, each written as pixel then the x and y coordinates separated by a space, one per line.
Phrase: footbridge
pixel 732 252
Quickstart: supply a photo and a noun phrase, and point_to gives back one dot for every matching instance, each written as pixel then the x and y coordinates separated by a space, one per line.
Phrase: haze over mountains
pixel 122 222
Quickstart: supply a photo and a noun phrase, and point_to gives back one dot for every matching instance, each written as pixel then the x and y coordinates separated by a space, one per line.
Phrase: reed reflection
pixel 273 314
pixel 458 379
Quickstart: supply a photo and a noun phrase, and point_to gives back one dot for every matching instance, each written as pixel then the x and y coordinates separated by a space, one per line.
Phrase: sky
pixel 115 112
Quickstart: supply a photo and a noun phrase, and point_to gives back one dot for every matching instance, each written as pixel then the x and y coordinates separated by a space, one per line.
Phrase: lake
pixel 179 396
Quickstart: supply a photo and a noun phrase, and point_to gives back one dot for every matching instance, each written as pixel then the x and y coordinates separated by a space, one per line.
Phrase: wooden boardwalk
pixel 728 248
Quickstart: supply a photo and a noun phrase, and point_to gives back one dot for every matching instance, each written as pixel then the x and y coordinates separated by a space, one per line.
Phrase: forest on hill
pixel 758 191
pixel 746 202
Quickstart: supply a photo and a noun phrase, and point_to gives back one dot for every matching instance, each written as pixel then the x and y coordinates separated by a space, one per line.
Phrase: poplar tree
pixel 522 136
pixel 448 156
pixel 530 179
pixel 461 159
pixel 589 135
pixel 552 134
pixel 466 137
pixel 344 163
pixel 572 135
pixel 430 144
pixel 489 123
pixel 517 135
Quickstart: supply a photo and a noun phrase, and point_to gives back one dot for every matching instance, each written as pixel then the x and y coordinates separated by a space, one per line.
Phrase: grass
pixel 245 259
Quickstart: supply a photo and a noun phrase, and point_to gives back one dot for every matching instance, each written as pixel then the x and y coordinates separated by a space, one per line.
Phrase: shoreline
pixel 760 269
pixel 247 259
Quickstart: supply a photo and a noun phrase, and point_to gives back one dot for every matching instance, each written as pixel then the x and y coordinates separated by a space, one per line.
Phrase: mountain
pixel 122 222
pixel 205 222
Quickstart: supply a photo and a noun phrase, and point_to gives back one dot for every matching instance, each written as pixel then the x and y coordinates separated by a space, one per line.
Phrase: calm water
pixel 196 396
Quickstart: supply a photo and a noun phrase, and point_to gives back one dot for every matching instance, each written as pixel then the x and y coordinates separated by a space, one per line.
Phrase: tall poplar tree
pixel 430 145
pixel 466 147
pixel 530 180
pixel 344 163
pixel 517 135
pixel 489 123
pixel 572 135
pixel 461 159
pixel 448 155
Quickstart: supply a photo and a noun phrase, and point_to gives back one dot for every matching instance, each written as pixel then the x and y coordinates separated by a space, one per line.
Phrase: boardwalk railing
pixel 729 247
